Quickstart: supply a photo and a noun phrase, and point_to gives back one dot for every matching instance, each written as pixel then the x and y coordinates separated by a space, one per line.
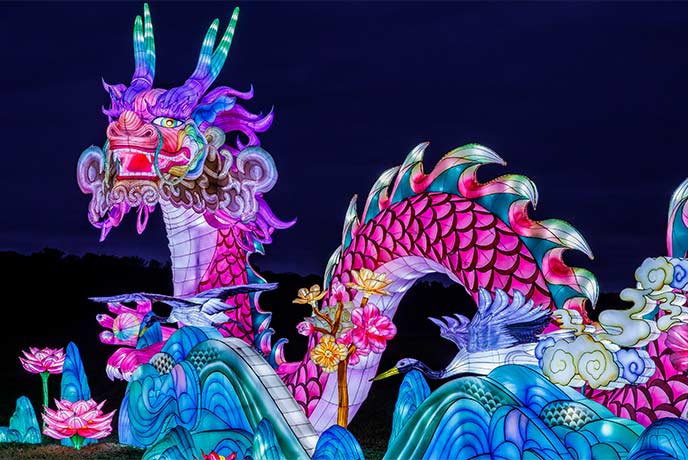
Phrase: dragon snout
pixel 129 128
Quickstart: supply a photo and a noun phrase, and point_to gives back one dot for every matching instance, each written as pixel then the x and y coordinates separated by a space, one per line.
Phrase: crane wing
pixel 214 306
pixel 500 324
pixel 133 297
pixel 227 291
pixel 454 329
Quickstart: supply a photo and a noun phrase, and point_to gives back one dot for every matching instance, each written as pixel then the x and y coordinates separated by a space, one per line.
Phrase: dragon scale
pixel 664 395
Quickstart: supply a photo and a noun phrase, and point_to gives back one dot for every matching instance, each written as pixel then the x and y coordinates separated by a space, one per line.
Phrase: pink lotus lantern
pixel 47 360
pixel 77 421
pixel 44 362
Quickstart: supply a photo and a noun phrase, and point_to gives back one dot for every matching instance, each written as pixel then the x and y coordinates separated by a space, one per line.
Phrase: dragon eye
pixel 167 122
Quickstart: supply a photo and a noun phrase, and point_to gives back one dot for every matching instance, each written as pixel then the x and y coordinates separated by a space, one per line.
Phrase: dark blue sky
pixel 588 100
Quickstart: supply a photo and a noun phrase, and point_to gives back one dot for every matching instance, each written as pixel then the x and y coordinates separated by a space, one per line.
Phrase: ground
pixel 51 449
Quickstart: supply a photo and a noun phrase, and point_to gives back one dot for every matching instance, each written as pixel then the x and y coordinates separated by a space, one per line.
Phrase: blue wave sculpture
pixel 512 413
pixel 665 439
pixel 337 443
pixel 207 393
pixel 412 392
pixel 265 445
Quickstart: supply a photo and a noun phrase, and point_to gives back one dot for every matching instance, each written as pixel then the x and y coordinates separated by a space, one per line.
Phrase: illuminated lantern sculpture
pixel 43 362
pixel 194 152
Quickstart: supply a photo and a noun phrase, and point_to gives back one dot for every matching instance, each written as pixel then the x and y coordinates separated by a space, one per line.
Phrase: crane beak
pixel 384 375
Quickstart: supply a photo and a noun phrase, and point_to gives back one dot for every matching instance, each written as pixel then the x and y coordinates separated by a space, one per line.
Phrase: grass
pixel 107 449
pixel 110 449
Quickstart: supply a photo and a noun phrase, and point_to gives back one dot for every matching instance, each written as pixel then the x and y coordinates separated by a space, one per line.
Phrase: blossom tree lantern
pixel 347 332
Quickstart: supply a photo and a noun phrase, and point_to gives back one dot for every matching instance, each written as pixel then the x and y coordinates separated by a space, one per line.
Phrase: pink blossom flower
pixel 355 357
pixel 81 419
pixel 338 291
pixel 677 340
pixel 371 329
pixel 45 360
pixel 305 328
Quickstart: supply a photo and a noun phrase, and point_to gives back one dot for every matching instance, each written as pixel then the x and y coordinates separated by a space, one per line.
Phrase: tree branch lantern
pixel 347 332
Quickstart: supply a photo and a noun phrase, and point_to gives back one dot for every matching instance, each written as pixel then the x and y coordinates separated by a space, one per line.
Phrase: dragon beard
pixel 228 191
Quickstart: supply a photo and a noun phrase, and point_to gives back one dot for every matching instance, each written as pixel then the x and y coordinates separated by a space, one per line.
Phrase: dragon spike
pixel 331 264
pixel 679 196
pixel 351 222
pixel 588 283
pixel 144 52
pixel 520 185
pixel 677 227
pixel 351 210
pixel 567 236
pixel 415 156
pixel 378 193
pixel 210 62
pixel 476 153
pixel 413 163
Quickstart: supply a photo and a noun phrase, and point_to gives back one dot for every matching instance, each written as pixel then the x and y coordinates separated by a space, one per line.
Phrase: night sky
pixel 588 100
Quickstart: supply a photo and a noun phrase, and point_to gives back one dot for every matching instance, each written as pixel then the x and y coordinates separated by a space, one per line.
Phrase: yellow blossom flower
pixel 369 282
pixel 310 296
pixel 328 353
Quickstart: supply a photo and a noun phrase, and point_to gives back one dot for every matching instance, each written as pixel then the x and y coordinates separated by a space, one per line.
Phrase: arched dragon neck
pixel 477 234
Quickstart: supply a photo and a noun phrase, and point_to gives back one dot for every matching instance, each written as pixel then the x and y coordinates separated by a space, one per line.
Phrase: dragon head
pixel 185 145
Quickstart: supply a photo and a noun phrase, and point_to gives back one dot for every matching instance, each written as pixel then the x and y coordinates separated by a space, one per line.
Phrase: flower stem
pixel 44 377
pixel 321 330
pixel 364 301
pixel 343 407
pixel 342 386
pixel 322 316
pixel 78 441
pixel 337 318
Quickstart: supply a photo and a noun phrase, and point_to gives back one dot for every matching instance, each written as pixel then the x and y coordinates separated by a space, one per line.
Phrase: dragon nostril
pixel 112 130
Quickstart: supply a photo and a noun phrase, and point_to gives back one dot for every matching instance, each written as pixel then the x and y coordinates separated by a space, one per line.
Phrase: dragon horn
pixel 220 54
pixel 206 51
pixel 144 51
pixel 210 61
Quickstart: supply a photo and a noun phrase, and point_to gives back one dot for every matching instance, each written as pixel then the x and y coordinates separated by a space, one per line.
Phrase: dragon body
pixel 195 152
pixel 665 394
